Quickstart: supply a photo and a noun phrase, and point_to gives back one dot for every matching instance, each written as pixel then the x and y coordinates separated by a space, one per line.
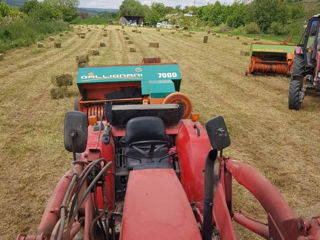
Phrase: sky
pixel 116 3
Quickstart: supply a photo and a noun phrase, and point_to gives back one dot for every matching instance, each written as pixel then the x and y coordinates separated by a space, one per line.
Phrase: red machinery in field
pixel 147 171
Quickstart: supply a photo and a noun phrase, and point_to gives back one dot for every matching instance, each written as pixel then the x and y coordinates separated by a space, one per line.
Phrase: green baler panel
pixel 269 48
pixel 156 80
pixel 161 88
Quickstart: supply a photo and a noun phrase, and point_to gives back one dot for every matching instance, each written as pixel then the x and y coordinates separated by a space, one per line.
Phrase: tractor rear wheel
pixel 295 94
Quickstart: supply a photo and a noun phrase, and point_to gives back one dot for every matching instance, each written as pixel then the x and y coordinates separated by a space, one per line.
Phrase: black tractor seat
pixel 146 144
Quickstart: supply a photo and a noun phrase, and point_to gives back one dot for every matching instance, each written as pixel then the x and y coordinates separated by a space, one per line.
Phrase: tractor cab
pixel 311 42
pixel 305 73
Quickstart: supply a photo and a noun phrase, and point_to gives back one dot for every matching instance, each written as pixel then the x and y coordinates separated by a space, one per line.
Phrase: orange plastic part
pixel 180 97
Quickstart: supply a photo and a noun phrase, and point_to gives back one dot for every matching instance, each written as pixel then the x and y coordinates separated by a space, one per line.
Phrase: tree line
pixel 267 16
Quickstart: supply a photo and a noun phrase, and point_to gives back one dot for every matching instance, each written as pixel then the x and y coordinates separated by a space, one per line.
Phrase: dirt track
pixel 283 145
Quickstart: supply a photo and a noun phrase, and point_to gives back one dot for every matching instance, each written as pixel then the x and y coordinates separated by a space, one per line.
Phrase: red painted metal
pixel 50 218
pixel 192 151
pixel 221 215
pixel 156 207
pixel 298 50
pixel 268 196
pixel 107 152
pixel 252 224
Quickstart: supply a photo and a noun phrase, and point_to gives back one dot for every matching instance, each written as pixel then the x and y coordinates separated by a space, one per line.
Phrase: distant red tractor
pixel 144 167
pixel 306 65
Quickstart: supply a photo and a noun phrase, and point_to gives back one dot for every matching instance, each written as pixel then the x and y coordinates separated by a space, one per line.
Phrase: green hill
pixel 15 3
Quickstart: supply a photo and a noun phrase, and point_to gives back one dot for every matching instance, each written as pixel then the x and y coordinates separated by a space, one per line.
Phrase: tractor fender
pixel 298 50
pixel 192 145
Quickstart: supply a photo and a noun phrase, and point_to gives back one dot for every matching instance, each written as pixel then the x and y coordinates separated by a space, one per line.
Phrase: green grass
pixel 91 21
pixel 24 33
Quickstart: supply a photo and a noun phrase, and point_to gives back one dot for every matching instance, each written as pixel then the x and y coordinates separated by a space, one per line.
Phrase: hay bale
pixel 126 38
pixel 122 27
pixel 256 39
pixel 132 50
pixel 192 33
pixel 208 32
pixel 51 39
pixel 64 79
pixel 94 52
pixel 134 30
pixel 230 35
pixel 158 29
pixel 218 36
pixel 105 34
pixel 82 60
pixel 58 92
pixel 130 42
pixel 40 45
pixel 57 44
pixel 62 92
pixel 102 44
pixel 213 34
pixel 82 35
pixel 244 53
pixel 205 39
pixel 245 43
pixel 61 34
pixel 172 32
pixel 139 31
pixel 238 38
pixel 71 93
pixel 187 35
pixel 162 34
pixel 1 56
pixel 154 45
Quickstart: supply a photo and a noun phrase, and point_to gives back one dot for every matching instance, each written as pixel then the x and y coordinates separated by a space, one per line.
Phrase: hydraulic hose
pixel 88 190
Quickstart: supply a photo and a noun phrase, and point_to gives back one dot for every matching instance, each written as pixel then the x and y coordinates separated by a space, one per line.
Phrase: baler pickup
pixel 271 58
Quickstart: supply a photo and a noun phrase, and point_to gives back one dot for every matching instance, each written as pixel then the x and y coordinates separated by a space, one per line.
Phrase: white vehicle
pixel 159 25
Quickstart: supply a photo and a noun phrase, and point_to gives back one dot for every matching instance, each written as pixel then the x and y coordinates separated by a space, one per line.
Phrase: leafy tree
pixel 157 12
pixel 132 8
pixel 268 11
pixel 29 5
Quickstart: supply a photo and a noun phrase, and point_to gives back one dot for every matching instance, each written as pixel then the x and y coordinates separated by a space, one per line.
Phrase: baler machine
pixel 271 58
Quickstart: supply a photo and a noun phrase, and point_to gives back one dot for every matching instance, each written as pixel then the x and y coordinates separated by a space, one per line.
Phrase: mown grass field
pixel 283 145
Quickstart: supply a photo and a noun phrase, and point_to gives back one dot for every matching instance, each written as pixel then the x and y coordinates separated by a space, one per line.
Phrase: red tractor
pixel 306 64
pixel 145 168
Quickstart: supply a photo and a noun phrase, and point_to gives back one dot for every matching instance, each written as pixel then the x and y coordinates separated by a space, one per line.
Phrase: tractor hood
pixel 156 80
pixel 156 207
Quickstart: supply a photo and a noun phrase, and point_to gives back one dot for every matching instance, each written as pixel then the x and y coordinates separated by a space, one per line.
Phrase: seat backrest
pixel 145 129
